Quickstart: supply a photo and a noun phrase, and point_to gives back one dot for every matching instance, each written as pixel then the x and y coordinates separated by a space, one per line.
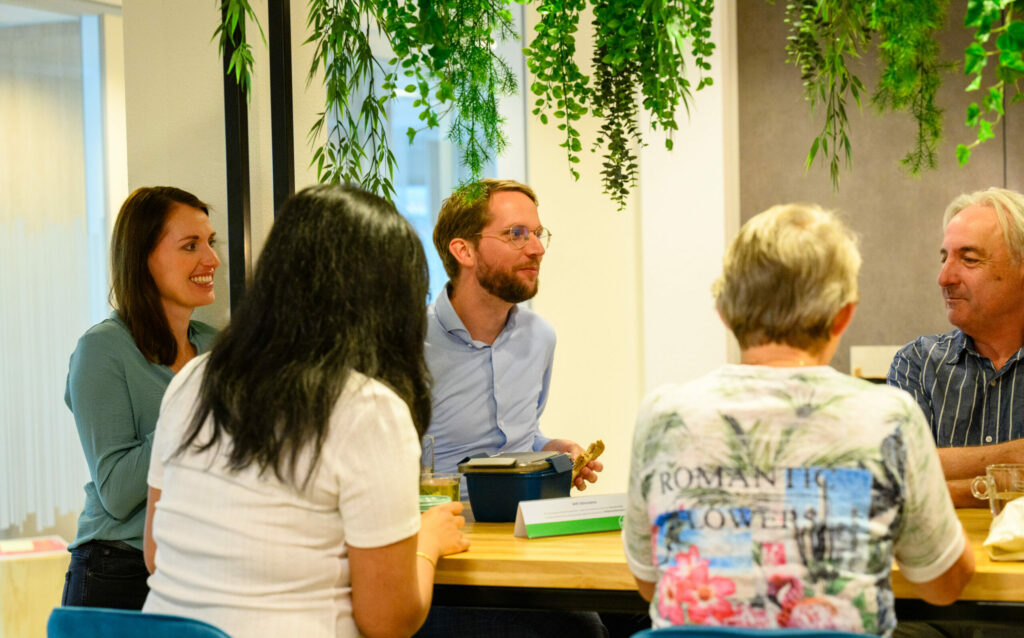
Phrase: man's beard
pixel 504 285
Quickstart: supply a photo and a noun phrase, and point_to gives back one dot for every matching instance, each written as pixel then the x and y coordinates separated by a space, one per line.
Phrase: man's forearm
pixel 960 492
pixel 968 462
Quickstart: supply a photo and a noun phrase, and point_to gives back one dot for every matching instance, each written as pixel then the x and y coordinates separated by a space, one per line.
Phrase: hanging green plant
pixel 638 60
pixel 998 33
pixel 231 32
pixel 824 34
pixel 443 53
pixel 561 88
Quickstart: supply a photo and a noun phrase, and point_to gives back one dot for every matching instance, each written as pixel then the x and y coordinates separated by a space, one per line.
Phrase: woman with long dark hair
pixel 162 263
pixel 284 479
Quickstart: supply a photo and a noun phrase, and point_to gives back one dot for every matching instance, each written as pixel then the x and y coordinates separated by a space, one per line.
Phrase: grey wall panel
pixel 897 216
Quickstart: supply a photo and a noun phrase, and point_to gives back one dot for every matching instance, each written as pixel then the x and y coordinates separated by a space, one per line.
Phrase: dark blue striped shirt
pixel 965 399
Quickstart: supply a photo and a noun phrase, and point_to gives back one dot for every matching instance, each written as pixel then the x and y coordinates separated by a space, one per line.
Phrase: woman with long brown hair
pixel 162 262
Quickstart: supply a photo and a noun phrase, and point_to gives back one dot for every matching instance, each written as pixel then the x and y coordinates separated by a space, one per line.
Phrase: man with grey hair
pixel 970 382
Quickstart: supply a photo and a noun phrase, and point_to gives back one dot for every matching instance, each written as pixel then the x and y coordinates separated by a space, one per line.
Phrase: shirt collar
pixel 963 343
pixel 452 323
pixel 960 344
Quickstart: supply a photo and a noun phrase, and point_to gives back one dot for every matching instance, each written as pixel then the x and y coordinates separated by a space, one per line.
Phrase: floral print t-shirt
pixel 778 497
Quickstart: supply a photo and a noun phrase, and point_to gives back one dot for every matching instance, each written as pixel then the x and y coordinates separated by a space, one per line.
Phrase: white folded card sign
pixel 579 515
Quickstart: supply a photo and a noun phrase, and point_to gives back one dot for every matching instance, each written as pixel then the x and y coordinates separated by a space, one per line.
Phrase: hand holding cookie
pixel 586 466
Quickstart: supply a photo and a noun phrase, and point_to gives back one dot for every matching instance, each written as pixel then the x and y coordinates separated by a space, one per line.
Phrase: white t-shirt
pixel 257 557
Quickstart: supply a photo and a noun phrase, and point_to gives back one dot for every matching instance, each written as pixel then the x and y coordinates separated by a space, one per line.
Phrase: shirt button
pixel 988 439
pixel 501 423
pixel 993 383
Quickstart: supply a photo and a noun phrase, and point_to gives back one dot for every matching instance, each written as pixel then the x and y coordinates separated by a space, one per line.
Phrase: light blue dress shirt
pixel 486 398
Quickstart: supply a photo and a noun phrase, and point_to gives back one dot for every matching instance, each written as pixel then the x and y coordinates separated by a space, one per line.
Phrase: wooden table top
pixel 496 558
pixel 993 580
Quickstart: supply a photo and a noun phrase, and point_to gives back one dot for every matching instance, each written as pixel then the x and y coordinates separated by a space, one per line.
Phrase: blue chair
pixel 96 622
pixel 690 631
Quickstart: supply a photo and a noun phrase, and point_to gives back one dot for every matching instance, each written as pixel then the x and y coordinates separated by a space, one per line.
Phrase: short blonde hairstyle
pixel 465 214
pixel 1009 207
pixel 786 275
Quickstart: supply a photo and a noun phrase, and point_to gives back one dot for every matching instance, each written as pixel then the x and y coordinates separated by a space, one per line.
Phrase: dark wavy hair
pixel 341 285
pixel 133 291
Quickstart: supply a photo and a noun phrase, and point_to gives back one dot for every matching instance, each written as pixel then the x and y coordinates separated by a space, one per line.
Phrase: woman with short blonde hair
pixel 776 492
pixel 786 275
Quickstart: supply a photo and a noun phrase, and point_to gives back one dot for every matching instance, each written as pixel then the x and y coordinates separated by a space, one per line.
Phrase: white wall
pixel 628 291
pixel 174 100
pixel 175 110
pixel 690 209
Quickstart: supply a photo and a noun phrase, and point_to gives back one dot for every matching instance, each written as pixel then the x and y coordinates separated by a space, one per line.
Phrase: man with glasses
pixel 491 363
pixel 491 359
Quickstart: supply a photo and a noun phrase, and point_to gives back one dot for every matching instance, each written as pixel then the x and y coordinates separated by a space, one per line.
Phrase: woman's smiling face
pixel 184 260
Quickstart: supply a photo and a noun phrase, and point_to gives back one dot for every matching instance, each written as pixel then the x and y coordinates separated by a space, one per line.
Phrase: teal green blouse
pixel 114 394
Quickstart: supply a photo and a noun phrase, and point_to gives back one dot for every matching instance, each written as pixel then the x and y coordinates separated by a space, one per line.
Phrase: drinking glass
pixel 1001 484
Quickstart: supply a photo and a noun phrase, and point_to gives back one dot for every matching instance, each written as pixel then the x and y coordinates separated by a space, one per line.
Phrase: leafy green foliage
pixel 355 112
pixel 638 62
pixel 443 54
pixel 822 36
pixel 231 31
pixel 617 75
pixel 561 89
pixel 460 37
pixel 998 33
pixel 911 72
pixel 825 34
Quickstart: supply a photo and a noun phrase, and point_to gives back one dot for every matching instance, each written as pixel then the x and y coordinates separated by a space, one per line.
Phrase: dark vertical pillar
pixel 236 138
pixel 281 122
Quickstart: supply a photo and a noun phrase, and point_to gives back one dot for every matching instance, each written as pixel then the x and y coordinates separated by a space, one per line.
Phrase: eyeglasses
pixel 519 234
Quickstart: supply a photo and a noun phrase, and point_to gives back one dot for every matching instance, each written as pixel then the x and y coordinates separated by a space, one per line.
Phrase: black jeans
pixel 102 574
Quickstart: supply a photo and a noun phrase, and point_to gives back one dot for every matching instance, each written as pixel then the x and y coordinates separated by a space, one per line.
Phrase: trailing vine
pixel 561 88
pixel 231 31
pixel 354 114
pixel 460 36
pixel 999 21
pixel 821 38
pixel 617 76
pixel 638 62
pixel 443 55
pixel 825 33
pixel 911 71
